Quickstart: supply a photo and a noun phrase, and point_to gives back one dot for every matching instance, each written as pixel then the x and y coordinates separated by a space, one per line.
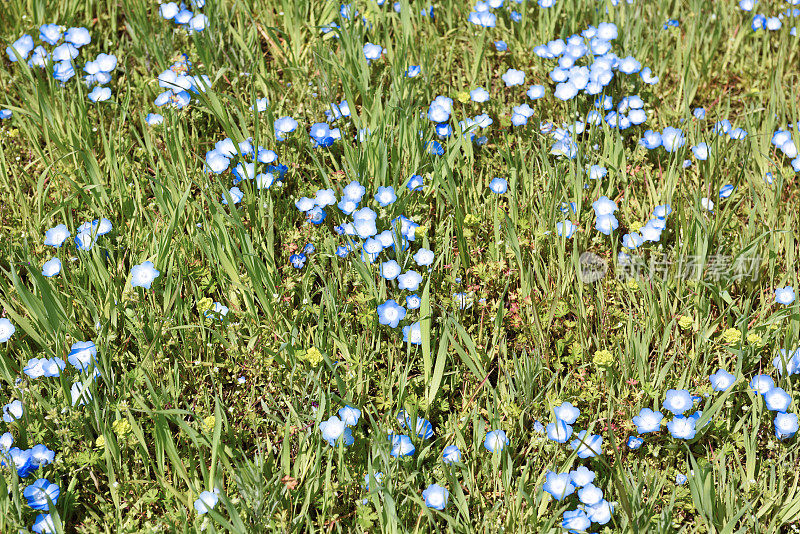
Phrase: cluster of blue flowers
pixel 483 14
pixel 338 429
pixel 440 110
pixel 61 59
pixel 771 23
pixel 592 507
pixel 85 240
pixel 178 87
pixel 361 234
pixel 249 162
pixel 180 14
pixel 40 494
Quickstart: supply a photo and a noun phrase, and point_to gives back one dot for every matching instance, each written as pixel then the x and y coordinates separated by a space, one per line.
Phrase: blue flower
pixel 785 425
pixel 662 211
pixel 316 215
pixel 565 229
pixel 495 441
pixel 700 151
pixel 37 494
pixel 574 520
pixel 82 354
pixel 787 363
pixel 349 415
pixel 648 421
pixel 761 384
pixel 500 46
pixel 80 393
pixel 142 275
pixel 39 367
pixel 582 476
pixel 390 269
pixel 604 206
pixel 413 334
pixel 50 33
pixel 479 95
pixel 12 411
pixel 722 380
pixel 682 427
pixel 333 429
pixel 401 446
pixel 154 119
pixel 385 196
pixel 498 186
pixel 567 412
pixel 206 501
pixel 413 71
pixel 413 302
pixel 651 140
pixel 78 37
pixel 558 431
pixel 678 401
pixel 297 260
pixel 451 454
pixel 784 295
pixel 699 113
pixel 513 77
pixel 20 48
pixel 44 524
pixel 634 442
pixel 596 172
pixel 415 183
pixel 99 94
pixel 435 496
pixel 726 191
pixel 777 399
pixel 590 494
pixel 558 485
pixel 424 257
pixel 236 195
pixel 680 479
pixel 51 267
pixel 354 191
pixel 372 51
pixel 409 280
pixel 587 445
pixel 600 513
pixel 632 240
pixel 5 114
pixel 672 139
pixel 606 224
pixel 423 428
pixel 390 313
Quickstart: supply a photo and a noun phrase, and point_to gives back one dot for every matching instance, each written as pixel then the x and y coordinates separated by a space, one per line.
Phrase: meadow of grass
pixel 217 376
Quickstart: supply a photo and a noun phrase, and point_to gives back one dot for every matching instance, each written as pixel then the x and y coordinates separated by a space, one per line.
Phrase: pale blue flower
pixel 784 295
pixel 401 446
pixel 349 415
pixel 435 496
pixel 558 431
pixel 558 485
pixel 206 501
pixel 648 421
pixel 390 313
pixel 495 441
pixel 777 399
pixel 682 427
pixel 498 186
pixel 451 454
